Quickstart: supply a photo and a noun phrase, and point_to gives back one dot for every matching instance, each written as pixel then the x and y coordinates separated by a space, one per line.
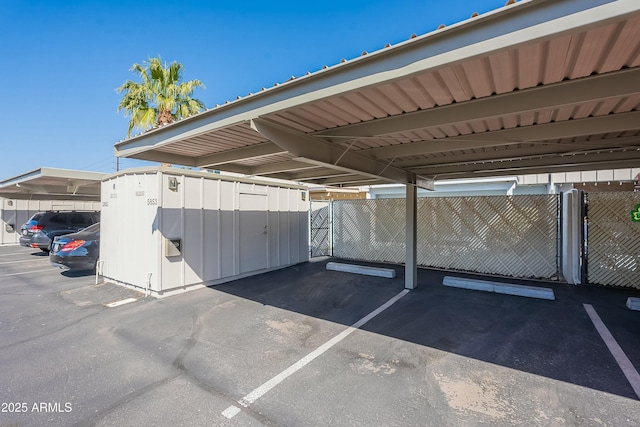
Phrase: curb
pixel 361 269
pixel 500 288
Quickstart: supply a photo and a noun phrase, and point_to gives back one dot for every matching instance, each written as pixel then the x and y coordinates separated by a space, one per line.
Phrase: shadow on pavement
pixel 39 254
pixel 554 339
pixel 78 273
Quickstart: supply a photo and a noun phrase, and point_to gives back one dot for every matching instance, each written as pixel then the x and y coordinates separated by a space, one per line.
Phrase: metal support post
pixel 411 266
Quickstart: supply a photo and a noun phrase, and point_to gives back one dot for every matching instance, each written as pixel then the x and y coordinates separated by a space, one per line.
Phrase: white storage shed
pixel 167 230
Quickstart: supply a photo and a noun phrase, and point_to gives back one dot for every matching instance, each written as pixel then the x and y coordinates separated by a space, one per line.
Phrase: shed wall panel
pixel 129 230
pixel 284 230
pixel 211 229
pixel 227 232
pixel 274 227
pixel 171 227
pixel 212 245
pixel 192 241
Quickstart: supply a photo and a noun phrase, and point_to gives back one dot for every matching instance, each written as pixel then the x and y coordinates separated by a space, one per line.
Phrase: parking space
pixel 307 346
pixel 18 261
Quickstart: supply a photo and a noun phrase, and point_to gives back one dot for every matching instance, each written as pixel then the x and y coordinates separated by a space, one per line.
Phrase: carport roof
pixel 537 86
pixel 53 184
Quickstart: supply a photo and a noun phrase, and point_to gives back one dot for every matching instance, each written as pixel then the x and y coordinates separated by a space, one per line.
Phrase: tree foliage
pixel 160 98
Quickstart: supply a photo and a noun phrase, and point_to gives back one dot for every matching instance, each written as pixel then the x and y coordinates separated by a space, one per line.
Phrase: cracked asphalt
pixel 437 357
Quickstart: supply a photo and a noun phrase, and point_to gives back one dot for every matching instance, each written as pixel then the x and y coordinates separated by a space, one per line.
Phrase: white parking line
pixel 257 393
pixel 623 361
pixel 29 272
pixel 231 411
pixel 121 302
pixel 14 253
pixel 26 260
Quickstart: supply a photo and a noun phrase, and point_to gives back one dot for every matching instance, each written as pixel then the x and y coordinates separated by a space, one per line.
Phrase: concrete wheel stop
pixel 499 288
pixel 388 273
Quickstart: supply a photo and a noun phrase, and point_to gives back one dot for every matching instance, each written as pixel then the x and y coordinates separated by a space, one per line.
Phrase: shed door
pixel 253 232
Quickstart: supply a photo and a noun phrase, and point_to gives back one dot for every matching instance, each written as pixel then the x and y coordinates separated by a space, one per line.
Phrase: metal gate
pixel 320 239
pixel 612 239
pixel 513 236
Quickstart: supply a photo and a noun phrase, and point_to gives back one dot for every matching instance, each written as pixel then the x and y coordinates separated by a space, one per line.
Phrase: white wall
pixel 450 188
pixel 129 238
pixel 508 185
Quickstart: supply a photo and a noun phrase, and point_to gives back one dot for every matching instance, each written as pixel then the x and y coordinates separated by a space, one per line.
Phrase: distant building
pixel 590 181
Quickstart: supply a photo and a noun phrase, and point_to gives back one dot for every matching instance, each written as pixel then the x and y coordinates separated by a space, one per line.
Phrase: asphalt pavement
pixel 304 346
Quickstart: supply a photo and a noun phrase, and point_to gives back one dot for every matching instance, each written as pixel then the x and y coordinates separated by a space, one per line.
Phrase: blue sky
pixel 62 60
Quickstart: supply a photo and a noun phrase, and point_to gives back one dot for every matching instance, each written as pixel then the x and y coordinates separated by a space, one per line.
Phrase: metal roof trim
pixel 54 184
pixel 273 182
pixel 46 172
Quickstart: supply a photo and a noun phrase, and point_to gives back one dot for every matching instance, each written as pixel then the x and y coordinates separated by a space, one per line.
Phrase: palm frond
pixel 160 90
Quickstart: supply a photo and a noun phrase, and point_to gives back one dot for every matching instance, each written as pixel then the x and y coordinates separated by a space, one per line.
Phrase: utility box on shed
pixel 167 230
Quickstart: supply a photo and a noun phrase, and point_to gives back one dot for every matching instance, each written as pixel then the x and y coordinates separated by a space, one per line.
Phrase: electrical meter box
pixel 172 247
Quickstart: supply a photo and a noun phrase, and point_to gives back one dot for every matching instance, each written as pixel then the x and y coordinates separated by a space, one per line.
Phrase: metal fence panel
pixel 613 239
pixel 320 228
pixel 512 236
pixel 369 230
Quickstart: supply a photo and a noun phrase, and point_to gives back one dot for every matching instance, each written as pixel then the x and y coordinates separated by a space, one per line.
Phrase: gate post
pixel 571 236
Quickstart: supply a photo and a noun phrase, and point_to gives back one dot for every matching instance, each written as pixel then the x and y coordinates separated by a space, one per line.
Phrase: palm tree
pixel 161 98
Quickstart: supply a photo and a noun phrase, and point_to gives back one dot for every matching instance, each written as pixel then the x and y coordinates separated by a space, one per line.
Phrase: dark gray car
pixel 40 230
pixel 77 251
